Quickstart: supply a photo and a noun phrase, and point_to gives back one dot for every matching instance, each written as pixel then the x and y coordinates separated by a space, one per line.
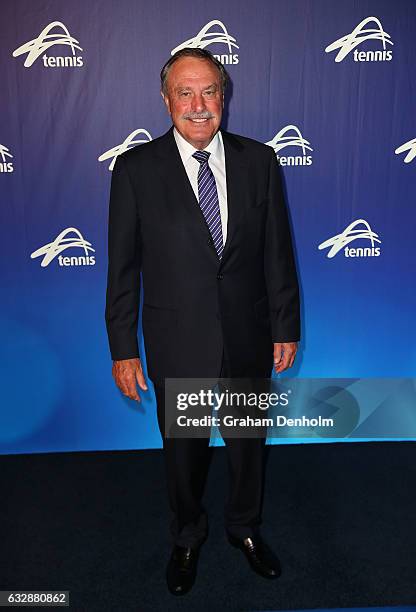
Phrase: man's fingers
pixel 128 387
pixel 287 356
pixel 284 363
pixel 292 360
pixel 286 360
pixel 140 379
pixel 277 353
pixel 126 372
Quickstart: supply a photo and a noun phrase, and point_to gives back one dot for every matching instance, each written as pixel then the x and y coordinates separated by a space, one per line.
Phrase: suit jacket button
pixel 209 241
pixel 220 276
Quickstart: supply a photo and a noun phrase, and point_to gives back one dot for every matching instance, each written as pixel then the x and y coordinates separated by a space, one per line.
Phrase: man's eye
pixel 211 92
pixel 184 94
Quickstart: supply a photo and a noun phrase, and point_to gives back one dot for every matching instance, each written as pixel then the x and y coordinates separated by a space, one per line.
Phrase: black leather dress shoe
pixel 181 569
pixel 261 559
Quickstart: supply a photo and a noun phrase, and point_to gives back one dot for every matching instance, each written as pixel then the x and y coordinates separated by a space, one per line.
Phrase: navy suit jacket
pixel 194 305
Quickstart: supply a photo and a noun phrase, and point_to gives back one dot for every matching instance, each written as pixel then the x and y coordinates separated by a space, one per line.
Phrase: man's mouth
pixel 199 120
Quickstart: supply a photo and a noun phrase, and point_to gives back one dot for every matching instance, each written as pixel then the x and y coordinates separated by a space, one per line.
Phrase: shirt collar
pixel 186 150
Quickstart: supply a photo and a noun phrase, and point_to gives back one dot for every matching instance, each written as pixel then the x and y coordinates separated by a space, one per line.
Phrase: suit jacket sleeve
pixel 279 263
pixel 124 262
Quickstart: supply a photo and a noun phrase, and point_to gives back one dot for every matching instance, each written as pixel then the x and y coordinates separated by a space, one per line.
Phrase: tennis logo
pixel 37 47
pixel 128 143
pixel 5 156
pixel 294 139
pixel 218 36
pixel 61 243
pixel 350 234
pixel 360 34
pixel 410 147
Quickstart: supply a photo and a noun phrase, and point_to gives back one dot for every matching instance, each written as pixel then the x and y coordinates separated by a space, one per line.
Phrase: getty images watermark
pixel 313 408
pixel 234 408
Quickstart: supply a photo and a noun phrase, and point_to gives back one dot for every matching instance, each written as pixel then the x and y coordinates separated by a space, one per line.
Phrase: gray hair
pixel 202 54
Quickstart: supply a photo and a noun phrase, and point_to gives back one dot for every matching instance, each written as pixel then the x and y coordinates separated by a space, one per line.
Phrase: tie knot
pixel 201 156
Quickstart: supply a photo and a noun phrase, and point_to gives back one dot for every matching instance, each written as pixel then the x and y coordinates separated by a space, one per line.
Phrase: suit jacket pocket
pixel 161 317
pixel 261 308
pixel 259 203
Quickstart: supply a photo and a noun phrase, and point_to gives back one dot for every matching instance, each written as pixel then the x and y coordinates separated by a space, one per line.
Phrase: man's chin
pixel 198 133
pixel 207 126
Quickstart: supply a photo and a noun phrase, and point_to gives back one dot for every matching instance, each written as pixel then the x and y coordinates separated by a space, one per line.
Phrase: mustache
pixel 204 115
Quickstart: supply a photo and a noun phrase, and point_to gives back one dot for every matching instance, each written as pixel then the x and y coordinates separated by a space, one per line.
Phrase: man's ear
pixel 166 101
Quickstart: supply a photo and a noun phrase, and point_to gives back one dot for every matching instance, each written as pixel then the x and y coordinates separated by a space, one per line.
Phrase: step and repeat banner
pixel 331 86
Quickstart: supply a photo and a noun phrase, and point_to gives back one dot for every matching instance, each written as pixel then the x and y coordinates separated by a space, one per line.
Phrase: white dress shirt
pixel 216 162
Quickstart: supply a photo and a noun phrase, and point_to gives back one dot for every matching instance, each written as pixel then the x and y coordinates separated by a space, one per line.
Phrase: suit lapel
pixel 236 173
pixel 172 171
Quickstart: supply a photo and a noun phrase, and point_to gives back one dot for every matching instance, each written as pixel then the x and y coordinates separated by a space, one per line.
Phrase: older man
pixel 201 213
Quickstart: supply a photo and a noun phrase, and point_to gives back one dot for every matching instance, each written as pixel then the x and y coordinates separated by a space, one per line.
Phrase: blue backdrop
pixel 331 85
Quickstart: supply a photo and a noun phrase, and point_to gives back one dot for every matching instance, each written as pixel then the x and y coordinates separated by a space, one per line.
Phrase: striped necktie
pixel 208 200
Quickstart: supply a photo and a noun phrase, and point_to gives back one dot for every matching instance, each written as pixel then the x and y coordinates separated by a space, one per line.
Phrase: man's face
pixel 194 99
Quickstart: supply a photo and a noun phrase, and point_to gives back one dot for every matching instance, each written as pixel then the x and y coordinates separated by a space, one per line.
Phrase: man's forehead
pixel 193 69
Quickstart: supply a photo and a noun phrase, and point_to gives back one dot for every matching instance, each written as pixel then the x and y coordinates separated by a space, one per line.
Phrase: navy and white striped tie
pixel 208 200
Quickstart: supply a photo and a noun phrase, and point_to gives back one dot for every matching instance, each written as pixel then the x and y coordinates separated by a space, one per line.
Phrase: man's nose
pixel 198 103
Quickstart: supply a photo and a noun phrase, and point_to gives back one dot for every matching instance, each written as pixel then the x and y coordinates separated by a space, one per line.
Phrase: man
pixel 201 214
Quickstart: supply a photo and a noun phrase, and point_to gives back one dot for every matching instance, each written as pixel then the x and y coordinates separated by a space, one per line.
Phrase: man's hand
pixel 284 355
pixel 126 373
